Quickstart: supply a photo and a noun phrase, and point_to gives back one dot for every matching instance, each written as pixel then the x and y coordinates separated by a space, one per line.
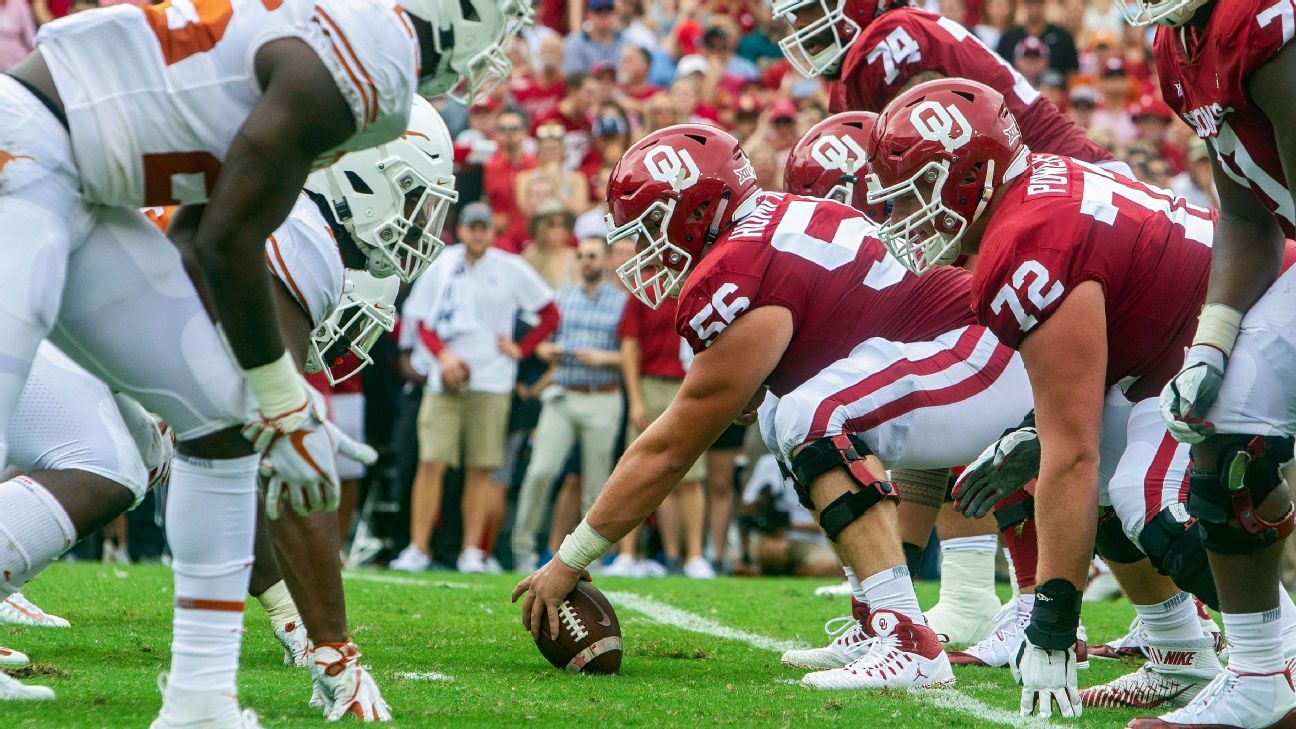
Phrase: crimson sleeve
pixel 430 339
pixel 541 331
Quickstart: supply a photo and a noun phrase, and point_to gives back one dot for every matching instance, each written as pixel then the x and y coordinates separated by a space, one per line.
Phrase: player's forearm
pixel 642 480
pixel 1066 515
pixel 1244 262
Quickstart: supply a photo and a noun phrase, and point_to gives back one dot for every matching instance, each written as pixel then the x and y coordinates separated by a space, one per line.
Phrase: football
pixel 589 634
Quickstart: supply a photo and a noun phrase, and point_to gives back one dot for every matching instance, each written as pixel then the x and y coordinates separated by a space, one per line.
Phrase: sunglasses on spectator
pixel 508 129
pixel 551 133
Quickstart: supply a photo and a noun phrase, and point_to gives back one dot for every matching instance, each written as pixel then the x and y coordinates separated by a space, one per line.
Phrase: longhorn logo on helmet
pixel 939 123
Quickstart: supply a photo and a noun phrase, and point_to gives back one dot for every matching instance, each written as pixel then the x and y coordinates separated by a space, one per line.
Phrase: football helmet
pixel 1174 13
pixel 817 46
pixel 393 198
pixel 471 36
pixel 674 192
pixel 828 159
pixel 937 154
pixel 367 309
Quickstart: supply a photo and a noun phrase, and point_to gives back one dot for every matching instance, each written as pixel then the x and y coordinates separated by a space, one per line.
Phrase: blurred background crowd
pixel 520 368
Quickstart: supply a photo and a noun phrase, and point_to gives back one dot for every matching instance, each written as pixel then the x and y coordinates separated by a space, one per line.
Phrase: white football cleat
pixel 1172 677
pixel 1246 701
pixel 849 641
pixel 296 643
pixel 342 686
pixel 697 568
pixel 997 648
pixel 902 655
pixel 11 689
pixel 625 565
pixel 185 709
pixel 10 658
pixel 18 610
pixel 964 620
pixel 1134 643
pixel 411 559
pixel 841 589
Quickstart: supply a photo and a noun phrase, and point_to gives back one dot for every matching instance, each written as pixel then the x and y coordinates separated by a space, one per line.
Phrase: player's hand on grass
pixel 1002 469
pixel 1047 677
pixel 545 590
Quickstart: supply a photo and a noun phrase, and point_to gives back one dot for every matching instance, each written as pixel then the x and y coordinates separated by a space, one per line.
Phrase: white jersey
pixel 303 254
pixel 155 94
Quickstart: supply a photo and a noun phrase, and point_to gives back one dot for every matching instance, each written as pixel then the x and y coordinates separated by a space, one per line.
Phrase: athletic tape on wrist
pixel 1218 327
pixel 584 545
pixel 276 387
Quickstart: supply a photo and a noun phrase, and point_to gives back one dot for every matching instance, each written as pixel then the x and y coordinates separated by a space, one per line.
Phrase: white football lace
pixel 883 648
pixel 1010 622
pixel 568 616
pixel 1222 684
pixel 846 631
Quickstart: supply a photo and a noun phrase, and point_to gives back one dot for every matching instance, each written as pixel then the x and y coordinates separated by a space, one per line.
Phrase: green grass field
pixel 447 650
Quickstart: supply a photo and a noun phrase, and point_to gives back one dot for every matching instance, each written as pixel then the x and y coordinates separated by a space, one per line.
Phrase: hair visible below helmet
pixel 817 47
pixel 674 192
pixel 393 199
pixel 828 161
pixel 471 36
pixel 937 154
pixel 366 311
pixel 1174 13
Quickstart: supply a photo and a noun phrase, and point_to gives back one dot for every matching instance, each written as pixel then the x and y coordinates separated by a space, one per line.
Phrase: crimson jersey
pixel 1203 78
pixel 905 42
pixel 1062 223
pixel 820 260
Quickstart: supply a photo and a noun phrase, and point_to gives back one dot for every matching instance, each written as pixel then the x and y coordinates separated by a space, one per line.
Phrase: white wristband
pixel 276 387
pixel 1218 327
pixel 584 545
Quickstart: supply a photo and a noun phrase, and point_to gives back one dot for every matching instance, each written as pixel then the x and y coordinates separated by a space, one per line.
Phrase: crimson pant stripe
pixel 1154 480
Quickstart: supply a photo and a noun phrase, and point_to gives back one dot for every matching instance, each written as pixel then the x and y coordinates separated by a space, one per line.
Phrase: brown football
pixel 589 634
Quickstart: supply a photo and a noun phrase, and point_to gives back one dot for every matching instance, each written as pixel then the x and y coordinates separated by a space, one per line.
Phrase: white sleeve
pixel 529 290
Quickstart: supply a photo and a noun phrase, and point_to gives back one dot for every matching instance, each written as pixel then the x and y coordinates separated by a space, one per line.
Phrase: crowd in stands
pixel 521 368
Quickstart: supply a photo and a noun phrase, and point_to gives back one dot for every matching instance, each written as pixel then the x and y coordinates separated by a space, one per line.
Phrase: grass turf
pixel 462 627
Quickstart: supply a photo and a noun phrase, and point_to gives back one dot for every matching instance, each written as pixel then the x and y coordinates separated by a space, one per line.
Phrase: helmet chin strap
pixel 987 191
pixel 713 230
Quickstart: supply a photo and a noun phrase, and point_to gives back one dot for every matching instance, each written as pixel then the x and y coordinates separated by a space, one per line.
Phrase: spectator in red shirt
pixel 1152 118
pixel 538 94
pixel 551 176
pixel 605 83
pixel 652 373
pixel 685 98
pixel 633 88
pixel 499 180
pixel 611 137
pixel 574 113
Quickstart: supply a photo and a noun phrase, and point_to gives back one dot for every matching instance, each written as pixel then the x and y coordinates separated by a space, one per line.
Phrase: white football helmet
pixel 393 198
pixel 1174 13
pixel 367 309
pixel 471 36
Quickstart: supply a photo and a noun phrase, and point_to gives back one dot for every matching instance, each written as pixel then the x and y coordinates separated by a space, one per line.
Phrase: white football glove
pixel 350 447
pixel 154 438
pixel 1046 677
pixel 297 457
pixel 1002 469
pixel 1189 394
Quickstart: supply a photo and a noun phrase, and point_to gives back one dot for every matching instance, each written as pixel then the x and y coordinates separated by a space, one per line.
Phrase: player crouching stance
pixel 795 294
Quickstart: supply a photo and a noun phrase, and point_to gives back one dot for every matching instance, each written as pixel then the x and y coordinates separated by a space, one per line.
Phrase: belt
pixel 611 387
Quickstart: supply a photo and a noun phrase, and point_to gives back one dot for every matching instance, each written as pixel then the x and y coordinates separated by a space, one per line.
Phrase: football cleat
pixel 10 658
pixel 342 686
pixel 965 620
pixel 1171 678
pixel 1134 643
pixel 11 689
pixel 849 641
pixel 296 643
pixel 901 655
pixel 18 610
pixel 841 589
pixel 1244 701
pixel 185 709
pixel 997 648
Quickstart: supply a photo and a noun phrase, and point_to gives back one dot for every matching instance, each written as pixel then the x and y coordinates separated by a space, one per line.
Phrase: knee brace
pixel 1174 544
pixel 848 452
pixel 1248 470
pixel 1111 542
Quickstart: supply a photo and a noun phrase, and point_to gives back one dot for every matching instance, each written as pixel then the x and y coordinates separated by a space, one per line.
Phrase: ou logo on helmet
pixel 837 153
pixel 939 123
pixel 667 164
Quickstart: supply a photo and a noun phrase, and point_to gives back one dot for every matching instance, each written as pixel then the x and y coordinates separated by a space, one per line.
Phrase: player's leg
pixel 133 318
pixel 268 586
pixel 554 436
pixel 968 605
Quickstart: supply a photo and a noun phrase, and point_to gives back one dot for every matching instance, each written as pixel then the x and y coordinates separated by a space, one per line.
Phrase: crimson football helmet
pixel 937 153
pixel 823 30
pixel 674 192
pixel 828 159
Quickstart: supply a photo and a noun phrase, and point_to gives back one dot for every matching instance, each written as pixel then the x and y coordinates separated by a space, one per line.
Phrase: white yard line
pixel 949 699
pixel 432 676
pixel 398 580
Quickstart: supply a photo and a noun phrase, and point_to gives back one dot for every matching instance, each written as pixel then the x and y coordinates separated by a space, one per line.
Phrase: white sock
pixel 35 530
pixel 279 606
pixel 856 590
pixel 967 569
pixel 1172 621
pixel 211 520
pixel 892 589
pixel 1255 644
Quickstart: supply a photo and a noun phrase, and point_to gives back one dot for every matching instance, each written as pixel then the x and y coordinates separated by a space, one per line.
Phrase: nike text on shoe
pixel 1173 676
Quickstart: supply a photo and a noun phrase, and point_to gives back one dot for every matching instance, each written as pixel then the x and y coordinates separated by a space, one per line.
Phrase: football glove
pixel 1047 677
pixel 1001 469
pixel 297 457
pixel 1189 394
